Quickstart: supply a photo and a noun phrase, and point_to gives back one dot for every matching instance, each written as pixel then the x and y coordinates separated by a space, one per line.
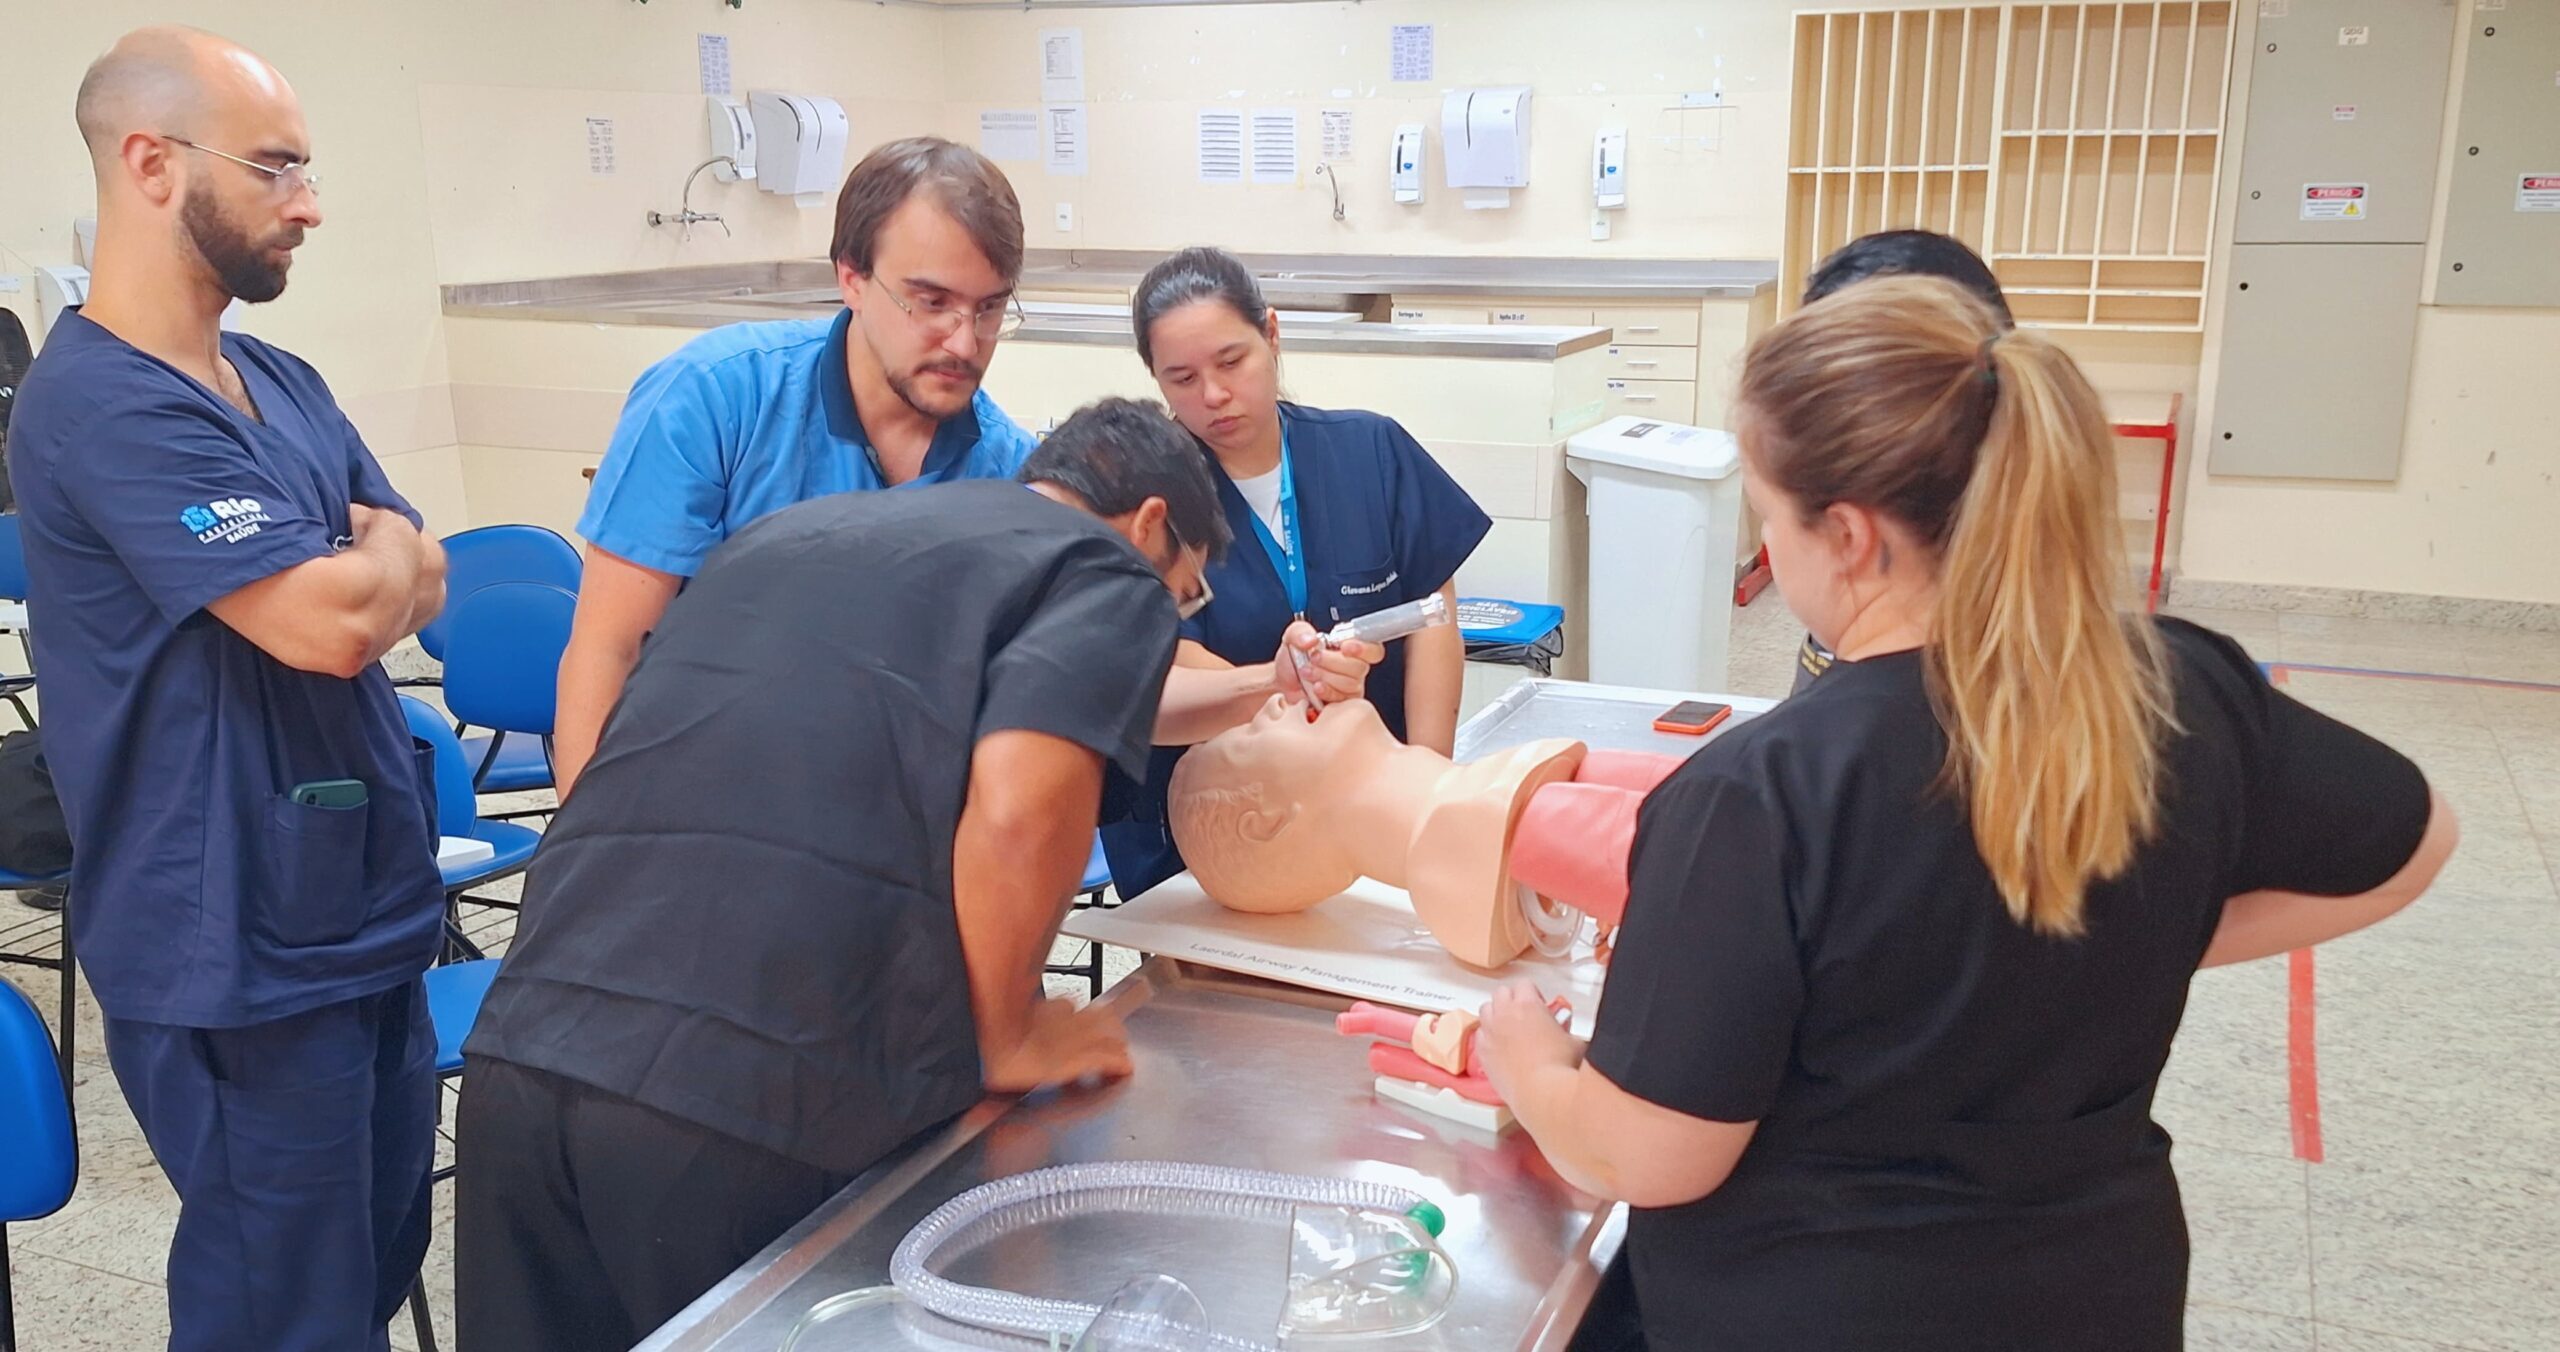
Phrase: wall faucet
pixel 686 216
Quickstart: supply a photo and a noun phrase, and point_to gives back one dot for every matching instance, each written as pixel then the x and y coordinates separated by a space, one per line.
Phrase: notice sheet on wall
pixel 599 145
pixel 1409 52
pixel 1009 133
pixel 1221 145
pixel 1063 128
pixel 1275 145
pixel 1337 133
pixel 1062 65
pixel 711 52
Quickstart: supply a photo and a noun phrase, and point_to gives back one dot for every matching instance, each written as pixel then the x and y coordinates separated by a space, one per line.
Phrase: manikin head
pixel 1252 808
pixel 200 154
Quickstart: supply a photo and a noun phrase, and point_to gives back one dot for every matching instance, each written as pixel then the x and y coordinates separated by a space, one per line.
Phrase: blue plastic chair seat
pixel 1097 870
pixel 42 1160
pixel 522 764
pixel 514 844
pixel 454 993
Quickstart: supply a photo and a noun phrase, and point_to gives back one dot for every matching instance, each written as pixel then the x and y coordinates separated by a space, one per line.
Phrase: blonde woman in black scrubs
pixel 1903 958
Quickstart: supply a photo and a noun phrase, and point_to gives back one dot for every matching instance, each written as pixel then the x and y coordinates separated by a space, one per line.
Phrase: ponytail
pixel 1908 396
pixel 2054 702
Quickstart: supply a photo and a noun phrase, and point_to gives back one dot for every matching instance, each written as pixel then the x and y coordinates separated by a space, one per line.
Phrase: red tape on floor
pixel 2302 1057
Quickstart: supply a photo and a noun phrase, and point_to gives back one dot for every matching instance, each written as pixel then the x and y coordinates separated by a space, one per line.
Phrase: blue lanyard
pixel 1289 563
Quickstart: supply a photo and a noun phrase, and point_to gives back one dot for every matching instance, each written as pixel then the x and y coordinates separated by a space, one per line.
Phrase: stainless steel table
pixel 1229 1071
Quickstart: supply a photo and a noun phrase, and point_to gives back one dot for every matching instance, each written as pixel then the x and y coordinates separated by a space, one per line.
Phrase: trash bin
pixel 1666 508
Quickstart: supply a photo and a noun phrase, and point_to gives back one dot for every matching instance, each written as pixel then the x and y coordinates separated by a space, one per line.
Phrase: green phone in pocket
pixel 337 793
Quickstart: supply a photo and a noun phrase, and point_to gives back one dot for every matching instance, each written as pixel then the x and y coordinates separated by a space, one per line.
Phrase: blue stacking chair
pixel 1089 894
pixel 458 814
pixel 454 993
pixel 41 1160
pixel 13 587
pixel 490 554
pixel 502 672
pixel 43 930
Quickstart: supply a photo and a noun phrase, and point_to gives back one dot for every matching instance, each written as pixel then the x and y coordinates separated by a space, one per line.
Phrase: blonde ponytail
pixel 1908 396
pixel 2054 702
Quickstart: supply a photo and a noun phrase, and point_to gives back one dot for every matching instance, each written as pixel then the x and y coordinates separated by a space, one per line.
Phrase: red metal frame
pixel 2165 432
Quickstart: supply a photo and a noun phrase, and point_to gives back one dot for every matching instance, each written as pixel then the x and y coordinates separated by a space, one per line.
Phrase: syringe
pixel 1379 627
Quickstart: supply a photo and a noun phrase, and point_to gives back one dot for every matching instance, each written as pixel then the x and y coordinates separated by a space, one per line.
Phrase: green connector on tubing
pixel 1431 1217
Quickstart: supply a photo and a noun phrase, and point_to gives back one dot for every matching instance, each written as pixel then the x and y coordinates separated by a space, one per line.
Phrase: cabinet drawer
pixel 1437 314
pixel 1669 325
pixel 1669 400
pixel 1653 363
pixel 1544 316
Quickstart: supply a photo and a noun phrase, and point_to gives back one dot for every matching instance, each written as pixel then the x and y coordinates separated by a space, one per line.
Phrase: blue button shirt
pixel 202 894
pixel 749 419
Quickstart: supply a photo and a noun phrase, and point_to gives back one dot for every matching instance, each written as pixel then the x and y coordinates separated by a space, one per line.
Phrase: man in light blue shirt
pixel 746 420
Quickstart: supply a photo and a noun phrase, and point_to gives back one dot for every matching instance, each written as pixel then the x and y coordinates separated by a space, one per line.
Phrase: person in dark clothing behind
pixel 794 915
pixel 1919 253
pixel 1904 957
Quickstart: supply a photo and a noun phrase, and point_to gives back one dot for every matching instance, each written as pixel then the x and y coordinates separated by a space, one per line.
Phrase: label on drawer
pixel 2334 201
pixel 1510 316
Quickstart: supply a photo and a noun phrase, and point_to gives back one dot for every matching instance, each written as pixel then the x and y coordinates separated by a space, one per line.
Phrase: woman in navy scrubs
pixel 1336 513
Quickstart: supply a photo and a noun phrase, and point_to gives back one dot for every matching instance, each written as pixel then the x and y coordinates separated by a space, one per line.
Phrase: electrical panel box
pixel 2502 197
pixel 2316 345
pixel 2346 119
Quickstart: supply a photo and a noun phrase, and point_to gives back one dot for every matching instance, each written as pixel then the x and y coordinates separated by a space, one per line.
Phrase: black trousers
pixel 584 1221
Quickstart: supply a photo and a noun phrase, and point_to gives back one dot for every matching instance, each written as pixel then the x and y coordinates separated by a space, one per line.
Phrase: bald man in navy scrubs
pixel 219 565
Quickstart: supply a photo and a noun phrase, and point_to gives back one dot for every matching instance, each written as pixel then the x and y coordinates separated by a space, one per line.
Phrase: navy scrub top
pixel 1382 524
pixel 203 895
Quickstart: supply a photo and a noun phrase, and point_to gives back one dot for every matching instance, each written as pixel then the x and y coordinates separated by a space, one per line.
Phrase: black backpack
pixel 33 840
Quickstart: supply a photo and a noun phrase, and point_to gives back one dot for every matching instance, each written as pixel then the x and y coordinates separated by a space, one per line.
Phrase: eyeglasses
pixel 1199 600
pixel 991 321
pixel 286 182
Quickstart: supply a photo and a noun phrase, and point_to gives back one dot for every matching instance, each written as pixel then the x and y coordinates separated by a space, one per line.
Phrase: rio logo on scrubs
pixel 224 520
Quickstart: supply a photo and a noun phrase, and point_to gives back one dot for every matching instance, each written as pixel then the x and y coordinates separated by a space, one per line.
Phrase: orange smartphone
pixel 1692 717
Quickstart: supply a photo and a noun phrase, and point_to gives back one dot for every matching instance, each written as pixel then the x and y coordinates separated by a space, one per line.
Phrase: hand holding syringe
pixel 1374 631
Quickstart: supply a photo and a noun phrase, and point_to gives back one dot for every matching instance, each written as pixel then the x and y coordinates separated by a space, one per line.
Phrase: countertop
pixel 1315 293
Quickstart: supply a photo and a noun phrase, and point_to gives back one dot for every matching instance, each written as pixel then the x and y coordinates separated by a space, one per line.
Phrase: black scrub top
pixel 743 917
pixel 1955 1146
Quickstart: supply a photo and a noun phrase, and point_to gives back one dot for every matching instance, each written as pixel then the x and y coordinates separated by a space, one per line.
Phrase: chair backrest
pixel 457 807
pixel 490 554
pixel 41 1160
pixel 13 559
pixel 502 655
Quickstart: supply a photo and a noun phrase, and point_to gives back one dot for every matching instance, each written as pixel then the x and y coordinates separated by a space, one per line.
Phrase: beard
pixel 244 266
pixel 933 403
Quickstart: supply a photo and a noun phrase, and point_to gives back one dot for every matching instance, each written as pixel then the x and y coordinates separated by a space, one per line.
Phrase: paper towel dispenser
pixel 733 134
pixel 1484 137
pixel 800 140
pixel 59 290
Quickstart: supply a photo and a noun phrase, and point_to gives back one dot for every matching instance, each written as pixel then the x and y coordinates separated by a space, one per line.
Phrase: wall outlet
pixel 1599 225
pixel 1066 217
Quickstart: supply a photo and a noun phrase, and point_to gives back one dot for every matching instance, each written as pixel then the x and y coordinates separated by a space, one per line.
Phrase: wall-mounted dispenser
pixel 1609 168
pixel 733 136
pixel 1404 171
pixel 1484 141
pixel 59 290
pixel 800 141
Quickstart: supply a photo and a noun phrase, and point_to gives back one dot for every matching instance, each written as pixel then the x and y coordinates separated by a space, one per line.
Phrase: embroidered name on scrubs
pixel 226 520
pixel 1289 560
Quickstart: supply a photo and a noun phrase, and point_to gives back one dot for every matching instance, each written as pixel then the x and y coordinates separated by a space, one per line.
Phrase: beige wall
pixel 451 138
pixel 1616 62
pixel 2479 488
